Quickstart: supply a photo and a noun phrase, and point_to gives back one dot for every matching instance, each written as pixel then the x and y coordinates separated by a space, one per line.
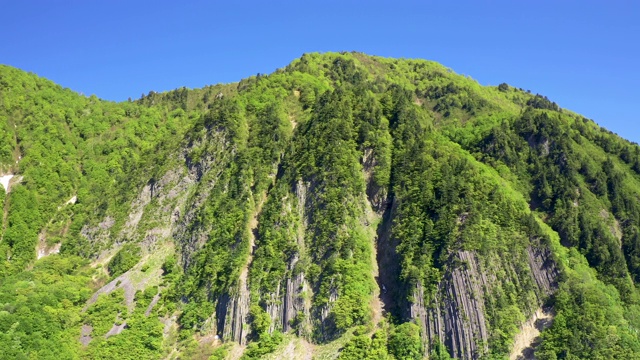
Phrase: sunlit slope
pixel 343 206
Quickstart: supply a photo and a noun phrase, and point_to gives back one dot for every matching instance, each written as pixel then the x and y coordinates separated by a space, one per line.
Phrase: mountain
pixel 345 206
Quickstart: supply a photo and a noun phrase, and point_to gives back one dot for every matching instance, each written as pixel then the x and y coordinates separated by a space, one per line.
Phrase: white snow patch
pixel 72 200
pixel 4 180
pixel 69 202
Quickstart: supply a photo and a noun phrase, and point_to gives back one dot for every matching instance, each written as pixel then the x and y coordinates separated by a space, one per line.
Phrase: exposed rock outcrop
pixel 544 270
pixel 43 250
pixel 152 304
pixel 455 314
pixel 376 195
pixel 232 313
pixel 529 336
pixel 116 329
pixel 287 302
pixel 391 290
pixel 85 334
pixel 202 174
pixel 290 304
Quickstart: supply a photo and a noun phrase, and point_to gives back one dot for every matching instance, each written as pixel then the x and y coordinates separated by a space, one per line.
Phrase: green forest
pixel 345 206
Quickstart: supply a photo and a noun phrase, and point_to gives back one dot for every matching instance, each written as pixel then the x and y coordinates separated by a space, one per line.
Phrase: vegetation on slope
pixel 450 166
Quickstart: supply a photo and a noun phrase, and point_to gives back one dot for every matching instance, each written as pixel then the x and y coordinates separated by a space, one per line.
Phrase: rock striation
pixel 456 315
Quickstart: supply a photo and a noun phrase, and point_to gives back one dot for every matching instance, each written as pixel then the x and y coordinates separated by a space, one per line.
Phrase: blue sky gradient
pixel 584 55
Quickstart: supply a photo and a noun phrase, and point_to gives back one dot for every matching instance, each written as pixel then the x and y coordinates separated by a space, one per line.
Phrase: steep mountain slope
pixel 344 206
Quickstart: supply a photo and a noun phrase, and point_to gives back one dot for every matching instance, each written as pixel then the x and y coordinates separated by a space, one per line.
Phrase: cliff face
pixel 289 307
pixel 194 188
pixel 456 313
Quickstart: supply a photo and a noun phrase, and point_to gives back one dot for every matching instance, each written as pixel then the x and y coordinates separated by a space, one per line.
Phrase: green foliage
pixel 569 184
pixel 266 345
pixel 327 157
pixel 171 271
pixel 64 144
pixel 590 322
pixel 219 354
pixel 141 338
pixel 126 258
pixel 405 342
pixel 454 167
pixel 260 321
pixel 40 309
pixel 439 352
pixel 366 348
pixel 105 312
pixel 542 102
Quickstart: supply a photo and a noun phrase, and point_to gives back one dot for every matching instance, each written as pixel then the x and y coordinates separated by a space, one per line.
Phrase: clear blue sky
pixel 582 54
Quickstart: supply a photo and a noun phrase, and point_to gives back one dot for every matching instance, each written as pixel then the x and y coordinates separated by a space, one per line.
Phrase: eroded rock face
pixel 85 334
pixel 287 302
pixel 43 250
pixel 115 330
pixel 456 315
pixel 528 339
pixel 202 175
pixel 544 269
pixel 233 313
pixel 376 195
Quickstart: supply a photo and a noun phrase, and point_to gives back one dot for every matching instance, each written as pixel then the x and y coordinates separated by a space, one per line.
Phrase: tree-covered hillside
pixel 345 206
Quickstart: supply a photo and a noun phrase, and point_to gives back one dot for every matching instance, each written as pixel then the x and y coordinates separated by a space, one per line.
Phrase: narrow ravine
pixel 242 314
pixel 371 218
pixel 253 229
pixel 385 260
pixel 388 260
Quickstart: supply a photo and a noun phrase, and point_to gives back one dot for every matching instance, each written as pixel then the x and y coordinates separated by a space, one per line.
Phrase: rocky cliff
pixel 456 313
